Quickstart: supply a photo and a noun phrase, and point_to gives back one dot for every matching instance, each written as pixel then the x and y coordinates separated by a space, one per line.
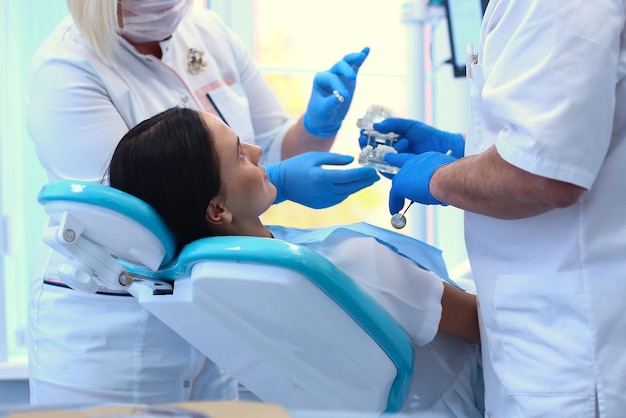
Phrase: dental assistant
pixel 542 180
pixel 101 71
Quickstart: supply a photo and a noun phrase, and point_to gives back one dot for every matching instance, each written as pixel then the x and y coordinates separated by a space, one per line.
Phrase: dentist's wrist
pixel 325 132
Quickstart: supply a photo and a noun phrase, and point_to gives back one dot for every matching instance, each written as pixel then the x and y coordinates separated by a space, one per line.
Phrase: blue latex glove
pixel 413 180
pixel 325 111
pixel 301 179
pixel 417 137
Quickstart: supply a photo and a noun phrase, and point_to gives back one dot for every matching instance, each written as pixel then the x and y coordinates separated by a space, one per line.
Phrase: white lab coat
pixel 391 267
pixel 549 92
pixel 79 107
pixel 97 348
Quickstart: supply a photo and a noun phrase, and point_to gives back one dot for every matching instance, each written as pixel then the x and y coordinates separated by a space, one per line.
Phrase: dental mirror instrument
pixel 398 220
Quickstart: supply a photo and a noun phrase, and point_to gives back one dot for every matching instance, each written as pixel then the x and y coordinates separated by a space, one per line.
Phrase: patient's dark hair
pixel 169 161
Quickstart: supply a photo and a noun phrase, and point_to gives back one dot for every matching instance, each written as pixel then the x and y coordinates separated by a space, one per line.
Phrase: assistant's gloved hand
pixel 325 111
pixel 417 137
pixel 413 180
pixel 301 179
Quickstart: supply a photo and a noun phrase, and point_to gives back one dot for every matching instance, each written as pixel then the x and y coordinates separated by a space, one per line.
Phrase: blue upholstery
pixel 116 200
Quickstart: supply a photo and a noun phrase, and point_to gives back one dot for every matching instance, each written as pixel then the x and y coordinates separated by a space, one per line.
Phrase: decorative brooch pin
pixel 195 63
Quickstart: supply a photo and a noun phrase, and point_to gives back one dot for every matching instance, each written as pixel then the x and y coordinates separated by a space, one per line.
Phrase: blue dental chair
pixel 280 318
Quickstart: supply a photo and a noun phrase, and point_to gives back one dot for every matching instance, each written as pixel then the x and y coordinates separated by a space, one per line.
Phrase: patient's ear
pixel 217 213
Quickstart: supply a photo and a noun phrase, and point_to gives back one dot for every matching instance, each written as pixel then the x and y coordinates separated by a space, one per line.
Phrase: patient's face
pixel 245 185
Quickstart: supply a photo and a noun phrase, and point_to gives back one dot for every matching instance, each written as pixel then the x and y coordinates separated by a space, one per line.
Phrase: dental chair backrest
pixel 281 319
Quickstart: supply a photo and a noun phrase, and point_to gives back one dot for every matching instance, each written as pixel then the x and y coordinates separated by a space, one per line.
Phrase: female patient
pixel 192 168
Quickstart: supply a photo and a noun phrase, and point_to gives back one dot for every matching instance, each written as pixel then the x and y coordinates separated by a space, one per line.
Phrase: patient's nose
pixel 254 153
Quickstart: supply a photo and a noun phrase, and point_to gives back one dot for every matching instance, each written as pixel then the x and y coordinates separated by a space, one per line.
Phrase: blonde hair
pixel 97 22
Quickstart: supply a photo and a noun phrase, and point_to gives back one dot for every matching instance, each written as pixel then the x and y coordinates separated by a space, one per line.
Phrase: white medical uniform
pixel 399 273
pixel 549 91
pixel 100 348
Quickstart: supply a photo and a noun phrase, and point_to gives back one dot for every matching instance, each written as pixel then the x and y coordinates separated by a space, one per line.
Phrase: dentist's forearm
pixel 488 185
pixel 298 140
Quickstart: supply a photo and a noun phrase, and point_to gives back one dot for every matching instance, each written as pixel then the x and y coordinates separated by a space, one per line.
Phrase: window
pixel 291 51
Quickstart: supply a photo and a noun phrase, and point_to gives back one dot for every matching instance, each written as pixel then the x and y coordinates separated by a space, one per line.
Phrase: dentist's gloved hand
pixel 301 179
pixel 413 180
pixel 325 111
pixel 417 137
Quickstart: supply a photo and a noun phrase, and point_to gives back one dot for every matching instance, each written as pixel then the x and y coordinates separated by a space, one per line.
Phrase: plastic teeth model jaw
pixel 378 144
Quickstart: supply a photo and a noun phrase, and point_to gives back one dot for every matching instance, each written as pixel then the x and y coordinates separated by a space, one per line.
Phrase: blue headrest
pixel 115 200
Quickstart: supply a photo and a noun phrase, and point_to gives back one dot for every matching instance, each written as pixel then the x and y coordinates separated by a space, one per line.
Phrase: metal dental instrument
pixel 398 220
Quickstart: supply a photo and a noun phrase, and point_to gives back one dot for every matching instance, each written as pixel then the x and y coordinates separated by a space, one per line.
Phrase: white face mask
pixel 151 20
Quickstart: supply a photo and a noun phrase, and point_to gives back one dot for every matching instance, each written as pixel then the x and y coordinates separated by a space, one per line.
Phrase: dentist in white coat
pixel 542 180
pixel 106 68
